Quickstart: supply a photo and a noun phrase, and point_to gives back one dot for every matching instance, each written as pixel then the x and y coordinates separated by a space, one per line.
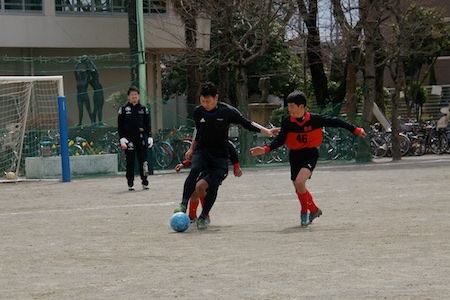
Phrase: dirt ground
pixel 384 234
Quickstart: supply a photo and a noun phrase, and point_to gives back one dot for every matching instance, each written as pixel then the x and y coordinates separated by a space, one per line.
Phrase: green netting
pixel 94 88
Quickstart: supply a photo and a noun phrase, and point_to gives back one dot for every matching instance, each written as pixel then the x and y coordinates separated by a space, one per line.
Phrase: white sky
pixel 325 19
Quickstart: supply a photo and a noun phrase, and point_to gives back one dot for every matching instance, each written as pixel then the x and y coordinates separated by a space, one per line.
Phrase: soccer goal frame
pixel 62 116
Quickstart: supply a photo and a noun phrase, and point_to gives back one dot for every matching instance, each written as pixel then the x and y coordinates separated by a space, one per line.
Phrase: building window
pixel 107 6
pixel 154 7
pixel 20 5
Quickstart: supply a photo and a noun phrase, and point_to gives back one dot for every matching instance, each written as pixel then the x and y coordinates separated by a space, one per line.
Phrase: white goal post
pixel 58 79
pixel 32 108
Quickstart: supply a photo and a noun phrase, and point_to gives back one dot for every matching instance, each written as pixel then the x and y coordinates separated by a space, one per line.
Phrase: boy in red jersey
pixel 302 133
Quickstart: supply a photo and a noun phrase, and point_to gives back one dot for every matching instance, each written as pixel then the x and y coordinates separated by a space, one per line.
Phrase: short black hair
pixel 296 97
pixel 133 89
pixel 208 89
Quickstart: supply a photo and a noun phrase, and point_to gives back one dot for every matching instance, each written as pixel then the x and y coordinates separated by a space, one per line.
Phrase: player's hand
pixel 362 134
pixel 123 143
pixel 179 167
pixel 359 131
pixel 257 151
pixel 238 172
pixel 268 132
pixel 150 142
pixel 275 131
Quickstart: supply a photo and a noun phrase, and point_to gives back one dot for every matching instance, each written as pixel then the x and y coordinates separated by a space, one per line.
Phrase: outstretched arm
pixel 262 129
pixel 255 151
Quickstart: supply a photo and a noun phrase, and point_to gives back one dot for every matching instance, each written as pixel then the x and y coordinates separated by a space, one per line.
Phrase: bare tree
pixel 351 37
pixel 246 30
pixel 417 38
pixel 371 16
pixel 308 10
pixel 188 11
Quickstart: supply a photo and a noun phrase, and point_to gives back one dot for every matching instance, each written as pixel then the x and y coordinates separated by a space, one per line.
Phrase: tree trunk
pixel 245 136
pixel 368 14
pixel 350 95
pixel 318 77
pixel 314 52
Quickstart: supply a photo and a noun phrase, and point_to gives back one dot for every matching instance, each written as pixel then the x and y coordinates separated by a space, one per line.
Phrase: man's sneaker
pixel 201 224
pixel 207 220
pixel 304 222
pixel 130 188
pixel 317 214
pixel 182 208
pixel 145 186
pixel 193 220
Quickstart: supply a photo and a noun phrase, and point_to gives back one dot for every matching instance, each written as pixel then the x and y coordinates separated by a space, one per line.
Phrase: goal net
pixel 28 117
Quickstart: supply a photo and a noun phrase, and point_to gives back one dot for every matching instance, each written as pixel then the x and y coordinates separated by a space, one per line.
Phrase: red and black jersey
pixel 307 131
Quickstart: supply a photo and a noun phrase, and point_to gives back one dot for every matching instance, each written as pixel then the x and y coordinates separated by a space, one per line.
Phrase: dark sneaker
pixel 317 214
pixel 182 208
pixel 304 222
pixel 201 224
pixel 207 220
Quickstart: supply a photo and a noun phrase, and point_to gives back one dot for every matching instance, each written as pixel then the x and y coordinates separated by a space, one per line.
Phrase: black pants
pixel 217 170
pixel 140 151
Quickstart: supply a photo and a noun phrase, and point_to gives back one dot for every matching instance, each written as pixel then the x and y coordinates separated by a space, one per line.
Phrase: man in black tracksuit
pixel 135 136
pixel 209 150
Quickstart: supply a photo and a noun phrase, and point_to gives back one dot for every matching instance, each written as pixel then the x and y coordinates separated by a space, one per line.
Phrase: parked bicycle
pixel 109 144
pixel 337 145
pixel 162 151
pixel 381 142
pixel 436 139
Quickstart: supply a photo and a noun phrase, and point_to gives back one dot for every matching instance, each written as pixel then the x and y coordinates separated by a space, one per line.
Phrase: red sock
pixel 310 202
pixel 202 200
pixel 193 209
pixel 303 205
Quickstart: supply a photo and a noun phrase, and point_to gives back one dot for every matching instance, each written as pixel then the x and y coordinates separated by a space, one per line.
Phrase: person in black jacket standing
pixel 135 136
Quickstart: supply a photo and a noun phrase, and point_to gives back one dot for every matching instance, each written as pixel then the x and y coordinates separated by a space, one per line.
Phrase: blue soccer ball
pixel 180 221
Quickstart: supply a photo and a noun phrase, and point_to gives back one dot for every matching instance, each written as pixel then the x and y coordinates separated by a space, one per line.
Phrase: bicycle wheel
pixel 405 143
pixel 327 149
pixel 378 146
pixel 346 148
pixel 418 146
pixel 181 150
pixel 438 142
pixel 281 154
pixel 265 158
pixel 76 149
pixel 163 154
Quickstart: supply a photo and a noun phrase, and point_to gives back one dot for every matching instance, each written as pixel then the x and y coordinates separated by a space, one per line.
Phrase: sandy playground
pixel 384 234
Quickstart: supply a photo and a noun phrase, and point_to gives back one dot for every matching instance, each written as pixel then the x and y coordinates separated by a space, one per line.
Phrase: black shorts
pixel 213 169
pixel 303 158
pixel 206 177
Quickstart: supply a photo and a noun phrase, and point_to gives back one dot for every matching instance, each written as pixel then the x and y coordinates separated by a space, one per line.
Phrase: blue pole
pixel 64 138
